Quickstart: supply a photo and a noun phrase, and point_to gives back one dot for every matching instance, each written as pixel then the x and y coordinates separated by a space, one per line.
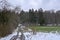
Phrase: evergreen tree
pixel 41 18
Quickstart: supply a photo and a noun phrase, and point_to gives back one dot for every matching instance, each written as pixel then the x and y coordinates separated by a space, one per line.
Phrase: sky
pixel 36 4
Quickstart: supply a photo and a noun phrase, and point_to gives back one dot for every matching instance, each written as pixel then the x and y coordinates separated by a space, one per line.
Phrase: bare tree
pixel 4 4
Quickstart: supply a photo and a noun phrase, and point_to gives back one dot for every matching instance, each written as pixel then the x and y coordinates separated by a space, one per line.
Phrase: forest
pixel 40 17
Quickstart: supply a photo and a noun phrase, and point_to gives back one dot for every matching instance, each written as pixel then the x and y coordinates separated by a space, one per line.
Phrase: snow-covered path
pixel 38 36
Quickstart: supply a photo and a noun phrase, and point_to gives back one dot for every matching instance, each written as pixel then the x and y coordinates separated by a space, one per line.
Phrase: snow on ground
pixel 38 36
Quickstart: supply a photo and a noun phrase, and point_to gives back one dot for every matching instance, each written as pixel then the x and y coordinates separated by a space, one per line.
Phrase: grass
pixel 45 28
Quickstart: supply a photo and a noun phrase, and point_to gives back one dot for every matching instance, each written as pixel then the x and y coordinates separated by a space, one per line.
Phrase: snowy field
pixel 38 36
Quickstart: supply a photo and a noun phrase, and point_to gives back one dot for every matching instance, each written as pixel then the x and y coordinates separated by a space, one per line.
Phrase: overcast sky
pixel 36 4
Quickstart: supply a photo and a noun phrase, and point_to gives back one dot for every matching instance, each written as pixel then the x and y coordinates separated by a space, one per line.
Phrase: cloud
pixel 45 4
pixel 54 4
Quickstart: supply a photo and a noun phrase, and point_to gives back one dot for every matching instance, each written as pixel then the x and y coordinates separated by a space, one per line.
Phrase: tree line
pixel 40 17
